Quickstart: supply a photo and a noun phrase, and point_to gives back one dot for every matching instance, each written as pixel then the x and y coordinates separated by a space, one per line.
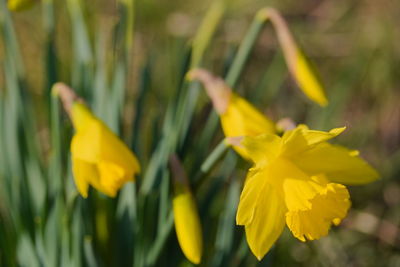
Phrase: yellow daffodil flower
pixel 187 221
pixel 238 116
pixel 297 179
pixel 19 5
pixel 99 157
pixel 301 69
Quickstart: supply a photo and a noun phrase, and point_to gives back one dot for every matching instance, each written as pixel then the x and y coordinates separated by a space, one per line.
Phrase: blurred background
pixel 128 60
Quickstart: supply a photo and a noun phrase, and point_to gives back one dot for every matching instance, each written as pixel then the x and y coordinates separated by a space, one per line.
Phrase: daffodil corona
pixel 296 179
pixel 99 157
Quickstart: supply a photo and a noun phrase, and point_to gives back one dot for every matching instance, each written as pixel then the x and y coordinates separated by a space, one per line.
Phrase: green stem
pixel 55 178
pixel 234 72
pixel 244 50
pixel 214 156
pixel 160 241
pixel 206 31
pixel 186 103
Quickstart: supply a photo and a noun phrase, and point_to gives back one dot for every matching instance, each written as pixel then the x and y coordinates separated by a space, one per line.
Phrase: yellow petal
pixel 338 163
pixel 187 225
pixel 115 151
pixel 112 177
pixel 261 209
pixel 83 173
pixel 81 116
pixel 328 206
pixel 308 80
pixel 85 144
pixel 249 197
pixel 298 187
pixel 267 221
pixel 262 148
pixel 243 119
pixel 301 139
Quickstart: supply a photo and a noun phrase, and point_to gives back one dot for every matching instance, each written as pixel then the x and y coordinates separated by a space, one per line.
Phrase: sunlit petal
pixel 301 139
pixel 337 163
pixel 267 223
pixel 262 148
pixel 83 173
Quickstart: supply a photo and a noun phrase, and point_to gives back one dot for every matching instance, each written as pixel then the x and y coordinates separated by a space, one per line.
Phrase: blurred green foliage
pixel 128 60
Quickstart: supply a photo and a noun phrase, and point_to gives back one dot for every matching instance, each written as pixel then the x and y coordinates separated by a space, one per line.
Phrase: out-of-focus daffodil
pixel 19 5
pixel 301 69
pixel 297 179
pixel 238 116
pixel 99 157
pixel 186 217
pixel 187 224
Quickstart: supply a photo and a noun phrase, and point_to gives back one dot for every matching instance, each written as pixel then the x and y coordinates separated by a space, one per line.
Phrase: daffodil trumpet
pixel 186 217
pixel 301 69
pixel 99 157
pixel 297 180
pixel 238 116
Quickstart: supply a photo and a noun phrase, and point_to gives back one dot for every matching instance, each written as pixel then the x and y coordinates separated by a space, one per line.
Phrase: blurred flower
pixel 19 5
pixel 187 221
pixel 238 117
pixel 299 66
pixel 298 178
pixel 99 157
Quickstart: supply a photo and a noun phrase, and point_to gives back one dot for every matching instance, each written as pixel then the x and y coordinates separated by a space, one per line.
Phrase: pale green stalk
pixel 206 31
pixel 214 156
pixel 186 103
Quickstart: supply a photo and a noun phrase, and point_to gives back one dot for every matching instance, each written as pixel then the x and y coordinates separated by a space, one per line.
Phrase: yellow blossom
pixel 99 157
pixel 238 116
pixel 186 217
pixel 297 179
pixel 19 5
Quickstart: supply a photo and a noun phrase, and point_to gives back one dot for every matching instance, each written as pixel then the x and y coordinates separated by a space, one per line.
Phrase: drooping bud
pixel 99 157
pixel 238 116
pixel 187 221
pixel 301 69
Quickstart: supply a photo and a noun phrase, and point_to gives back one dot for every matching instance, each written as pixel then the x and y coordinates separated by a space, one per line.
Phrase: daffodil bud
pixel 99 157
pixel 19 5
pixel 301 69
pixel 238 116
pixel 186 217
